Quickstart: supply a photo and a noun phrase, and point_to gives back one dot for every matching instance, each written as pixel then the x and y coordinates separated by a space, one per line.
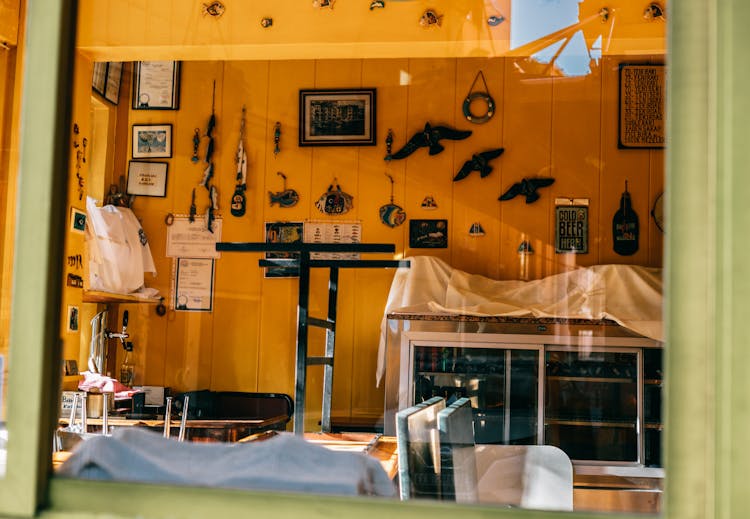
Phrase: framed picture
pixel 77 220
pixel 642 117
pixel 283 232
pixel 99 77
pixel 152 141
pixel 337 117
pixel 428 234
pixel 112 87
pixel 147 178
pixel 72 318
pixel 156 85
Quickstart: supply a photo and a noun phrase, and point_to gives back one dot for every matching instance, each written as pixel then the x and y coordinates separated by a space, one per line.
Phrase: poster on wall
pixel 428 234
pixel 572 225
pixel 333 232
pixel 283 232
pixel 193 285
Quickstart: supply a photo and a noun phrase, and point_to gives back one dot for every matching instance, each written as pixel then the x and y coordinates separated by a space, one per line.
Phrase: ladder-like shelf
pixel 304 263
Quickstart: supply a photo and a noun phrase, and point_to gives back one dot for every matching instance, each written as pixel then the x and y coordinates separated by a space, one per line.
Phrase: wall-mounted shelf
pixel 95 296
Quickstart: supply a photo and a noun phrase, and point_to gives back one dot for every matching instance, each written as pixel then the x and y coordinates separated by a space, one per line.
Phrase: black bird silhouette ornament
pixel 429 137
pixel 478 162
pixel 527 187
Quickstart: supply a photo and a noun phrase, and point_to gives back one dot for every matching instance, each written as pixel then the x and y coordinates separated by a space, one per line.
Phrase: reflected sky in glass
pixel 532 20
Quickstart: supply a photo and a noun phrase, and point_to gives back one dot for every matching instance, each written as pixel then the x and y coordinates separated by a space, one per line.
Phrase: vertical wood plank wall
pixel 565 128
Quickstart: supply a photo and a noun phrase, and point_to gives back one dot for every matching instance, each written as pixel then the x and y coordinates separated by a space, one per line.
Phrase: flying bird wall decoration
pixel 429 138
pixel 526 187
pixel 478 162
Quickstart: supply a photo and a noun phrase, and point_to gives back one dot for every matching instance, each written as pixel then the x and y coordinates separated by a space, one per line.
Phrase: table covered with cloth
pixel 630 295
pixel 284 463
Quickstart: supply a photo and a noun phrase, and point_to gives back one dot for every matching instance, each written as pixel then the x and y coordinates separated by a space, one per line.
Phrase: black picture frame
pixel 642 106
pixel 428 234
pixel 156 85
pixel 99 77
pixel 151 141
pixel 112 84
pixel 147 178
pixel 337 117
pixel 283 232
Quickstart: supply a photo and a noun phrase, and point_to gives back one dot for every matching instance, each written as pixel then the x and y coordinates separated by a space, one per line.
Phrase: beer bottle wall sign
pixel 625 227
pixel 571 226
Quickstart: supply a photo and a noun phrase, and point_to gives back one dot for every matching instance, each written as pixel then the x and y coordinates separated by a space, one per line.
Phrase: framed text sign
pixel 642 120
pixel 572 229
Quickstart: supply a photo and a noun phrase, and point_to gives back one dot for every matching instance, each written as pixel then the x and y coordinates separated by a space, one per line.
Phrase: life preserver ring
pixel 479 119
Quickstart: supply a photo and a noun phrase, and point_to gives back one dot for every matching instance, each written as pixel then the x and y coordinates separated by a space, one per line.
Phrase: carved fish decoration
pixel 527 187
pixel 478 162
pixel 286 198
pixel 430 137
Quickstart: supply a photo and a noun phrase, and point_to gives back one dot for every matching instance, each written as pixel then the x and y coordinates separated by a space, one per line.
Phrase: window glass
pixel 521 185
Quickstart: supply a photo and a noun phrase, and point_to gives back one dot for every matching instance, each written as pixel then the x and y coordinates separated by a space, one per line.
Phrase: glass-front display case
pixel 502 384
pixel 596 398
pixel 591 404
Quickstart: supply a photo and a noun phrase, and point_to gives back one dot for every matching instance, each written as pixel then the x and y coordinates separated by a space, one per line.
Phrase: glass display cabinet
pixel 596 397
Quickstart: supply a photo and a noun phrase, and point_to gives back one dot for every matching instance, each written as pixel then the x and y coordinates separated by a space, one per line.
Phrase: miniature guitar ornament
pixel 430 138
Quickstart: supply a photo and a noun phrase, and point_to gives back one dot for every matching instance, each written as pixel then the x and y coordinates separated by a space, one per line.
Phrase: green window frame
pixel 707 280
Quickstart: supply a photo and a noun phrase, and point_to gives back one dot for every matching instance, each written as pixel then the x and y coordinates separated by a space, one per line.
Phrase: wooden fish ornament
pixel 335 201
pixel 286 197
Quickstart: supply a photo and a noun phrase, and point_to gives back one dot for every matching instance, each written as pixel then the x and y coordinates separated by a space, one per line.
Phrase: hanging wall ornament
pixel 478 162
pixel 193 208
pixel 276 138
pixel 213 206
pixel 430 138
pixel 430 19
pixel 391 214
pixel 388 145
pixel 625 227
pixel 215 9
pixel 479 96
pixel 237 207
pixel 335 201
pixel 323 3
pixel 377 4
pixel 429 203
pixel 286 197
pixel 196 143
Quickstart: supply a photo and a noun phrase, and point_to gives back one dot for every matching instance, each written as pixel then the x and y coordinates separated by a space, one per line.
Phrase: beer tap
pixel 123 334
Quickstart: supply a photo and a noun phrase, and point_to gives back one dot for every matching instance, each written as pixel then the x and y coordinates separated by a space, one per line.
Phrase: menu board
pixel 642 118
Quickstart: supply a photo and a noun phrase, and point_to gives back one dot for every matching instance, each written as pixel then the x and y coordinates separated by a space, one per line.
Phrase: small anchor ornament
pixel 391 214
pixel 335 201
pixel 286 197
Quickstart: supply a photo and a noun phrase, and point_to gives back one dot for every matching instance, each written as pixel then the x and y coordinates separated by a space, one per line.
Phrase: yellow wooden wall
pixel 563 127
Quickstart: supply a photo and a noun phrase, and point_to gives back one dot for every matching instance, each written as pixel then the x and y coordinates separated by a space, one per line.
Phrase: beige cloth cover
pixel 630 295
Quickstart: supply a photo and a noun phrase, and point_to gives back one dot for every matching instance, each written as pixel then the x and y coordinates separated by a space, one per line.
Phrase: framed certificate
pixel 112 87
pixel 147 178
pixel 156 85
pixel 193 285
pixel 99 77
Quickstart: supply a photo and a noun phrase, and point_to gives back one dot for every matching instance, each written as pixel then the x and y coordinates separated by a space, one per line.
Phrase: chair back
pixel 458 466
pixel 419 449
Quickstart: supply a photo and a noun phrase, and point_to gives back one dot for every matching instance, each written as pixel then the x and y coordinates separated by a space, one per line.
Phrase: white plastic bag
pixel 119 254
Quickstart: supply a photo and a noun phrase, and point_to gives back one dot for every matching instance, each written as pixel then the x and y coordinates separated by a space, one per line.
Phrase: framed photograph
pixel 112 86
pixel 156 85
pixel 428 234
pixel 147 178
pixel 99 77
pixel 283 232
pixel 77 221
pixel 72 318
pixel 643 90
pixel 337 117
pixel 153 141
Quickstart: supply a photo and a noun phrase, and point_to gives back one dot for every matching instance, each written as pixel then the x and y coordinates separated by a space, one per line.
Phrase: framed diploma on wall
pixel 156 85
